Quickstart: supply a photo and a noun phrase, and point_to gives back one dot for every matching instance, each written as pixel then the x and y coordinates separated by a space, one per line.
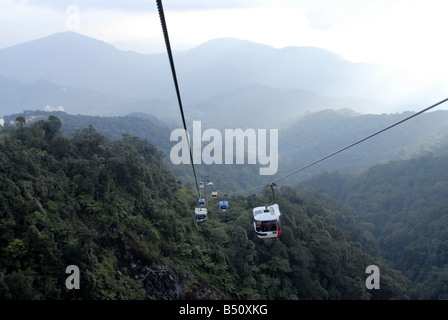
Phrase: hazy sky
pixel 404 33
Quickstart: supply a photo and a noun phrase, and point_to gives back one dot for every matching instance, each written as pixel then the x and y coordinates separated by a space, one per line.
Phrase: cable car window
pixel 266 226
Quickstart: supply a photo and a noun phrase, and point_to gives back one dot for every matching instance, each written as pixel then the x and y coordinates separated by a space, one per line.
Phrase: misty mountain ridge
pixel 235 106
pixel 257 106
pixel 73 60
pixel 207 71
pixel 16 96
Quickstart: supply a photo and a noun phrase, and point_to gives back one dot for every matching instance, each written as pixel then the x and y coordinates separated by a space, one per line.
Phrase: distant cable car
pixel 201 214
pixel 214 194
pixel 267 221
pixel 224 206
pixel 201 185
pixel 201 202
pixel 210 184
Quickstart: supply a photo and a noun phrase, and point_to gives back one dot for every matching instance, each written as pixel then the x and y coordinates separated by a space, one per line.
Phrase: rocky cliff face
pixel 159 280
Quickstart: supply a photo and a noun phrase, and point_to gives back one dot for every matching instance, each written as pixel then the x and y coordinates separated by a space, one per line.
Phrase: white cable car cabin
pixel 200 214
pixel 224 206
pixel 267 221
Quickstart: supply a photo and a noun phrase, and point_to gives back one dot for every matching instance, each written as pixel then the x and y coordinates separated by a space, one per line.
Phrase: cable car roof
pixel 200 210
pixel 260 213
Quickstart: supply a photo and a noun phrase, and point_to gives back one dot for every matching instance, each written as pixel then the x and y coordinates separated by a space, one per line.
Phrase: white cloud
pixel 49 108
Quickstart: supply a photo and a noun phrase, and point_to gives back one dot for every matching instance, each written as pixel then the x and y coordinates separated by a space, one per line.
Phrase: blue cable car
pixel 224 206
pixel 201 202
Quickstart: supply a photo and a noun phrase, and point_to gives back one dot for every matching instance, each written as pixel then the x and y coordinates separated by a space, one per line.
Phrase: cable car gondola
pixel 201 214
pixel 267 221
pixel 224 206
pixel 214 194
pixel 201 202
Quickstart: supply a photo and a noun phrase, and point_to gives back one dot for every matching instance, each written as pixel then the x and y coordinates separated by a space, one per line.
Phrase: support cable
pixel 173 71
pixel 343 149
pixel 359 141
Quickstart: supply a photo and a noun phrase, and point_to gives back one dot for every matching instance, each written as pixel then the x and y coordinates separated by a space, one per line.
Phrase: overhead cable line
pixel 359 141
pixel 173 71
pixel 273 183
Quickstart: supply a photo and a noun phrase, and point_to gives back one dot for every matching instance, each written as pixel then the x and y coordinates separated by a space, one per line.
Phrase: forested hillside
pixel 142 125
pixel 301 141
pixel 111 208
pixel 318 134
pixel 405 205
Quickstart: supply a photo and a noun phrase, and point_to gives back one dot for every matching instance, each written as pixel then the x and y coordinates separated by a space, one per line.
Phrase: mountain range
pixel 225 83
pixel 219 77
pixel 16 96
